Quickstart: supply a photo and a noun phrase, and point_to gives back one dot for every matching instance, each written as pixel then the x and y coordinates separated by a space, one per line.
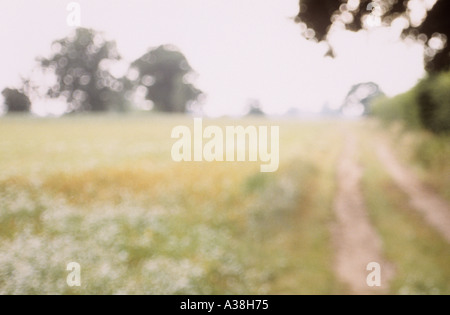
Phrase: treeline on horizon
pixel 162 80
pixel 81 66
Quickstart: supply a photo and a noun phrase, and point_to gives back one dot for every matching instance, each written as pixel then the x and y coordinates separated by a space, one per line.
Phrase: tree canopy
pixel 80 63
pixel 164 73
pixel 360 97
pixel 15 100
pixel 319 16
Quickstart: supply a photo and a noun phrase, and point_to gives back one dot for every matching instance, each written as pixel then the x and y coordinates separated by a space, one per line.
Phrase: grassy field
pixel 104 192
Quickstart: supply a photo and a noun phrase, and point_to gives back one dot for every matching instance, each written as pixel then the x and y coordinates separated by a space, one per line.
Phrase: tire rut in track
pixel 356 242
pixel 434 208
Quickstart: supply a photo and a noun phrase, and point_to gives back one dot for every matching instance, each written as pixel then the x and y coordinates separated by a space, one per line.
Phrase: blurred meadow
pixel 104 192
pixel 107 195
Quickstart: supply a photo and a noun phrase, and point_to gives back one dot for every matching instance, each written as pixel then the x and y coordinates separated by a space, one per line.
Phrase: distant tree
pixel 81 65
pixel 361 95
pixel 320 15
pixel 254 108
pixel 15 100
pixel 164 73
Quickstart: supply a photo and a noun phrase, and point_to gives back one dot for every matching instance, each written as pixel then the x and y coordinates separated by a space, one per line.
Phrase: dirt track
pixel 356 242
pixel 434 209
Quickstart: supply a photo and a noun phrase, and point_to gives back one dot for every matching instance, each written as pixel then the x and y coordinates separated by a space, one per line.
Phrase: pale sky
pixel 241 49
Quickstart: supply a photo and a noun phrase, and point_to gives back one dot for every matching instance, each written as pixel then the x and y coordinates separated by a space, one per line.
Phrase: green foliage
pixel 400 108
pixel 427 105
pixel 257 182
pixel 433 152
pixel 433 97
